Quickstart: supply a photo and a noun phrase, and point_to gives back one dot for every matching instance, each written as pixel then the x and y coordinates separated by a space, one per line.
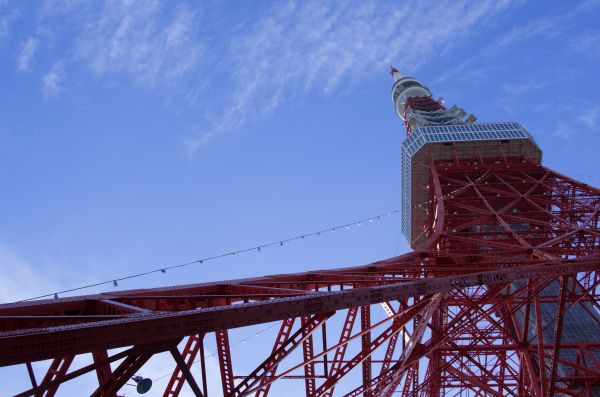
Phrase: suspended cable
pixel 258 248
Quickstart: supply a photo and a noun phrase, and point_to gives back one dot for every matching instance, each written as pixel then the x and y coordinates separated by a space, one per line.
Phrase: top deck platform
pixel 447 142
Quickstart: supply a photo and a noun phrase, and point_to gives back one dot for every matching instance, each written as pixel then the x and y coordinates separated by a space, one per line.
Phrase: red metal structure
pixel 499 297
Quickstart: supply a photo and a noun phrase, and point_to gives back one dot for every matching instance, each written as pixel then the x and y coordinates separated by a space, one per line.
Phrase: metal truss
pixel 488 305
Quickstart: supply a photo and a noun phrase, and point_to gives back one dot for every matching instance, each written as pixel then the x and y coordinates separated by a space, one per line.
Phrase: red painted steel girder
pixel 507 241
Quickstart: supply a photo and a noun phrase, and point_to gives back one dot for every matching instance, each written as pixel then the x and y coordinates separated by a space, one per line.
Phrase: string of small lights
pixel 258 248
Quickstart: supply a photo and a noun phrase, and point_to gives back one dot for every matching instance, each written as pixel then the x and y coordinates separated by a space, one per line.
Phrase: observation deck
pixel 479 143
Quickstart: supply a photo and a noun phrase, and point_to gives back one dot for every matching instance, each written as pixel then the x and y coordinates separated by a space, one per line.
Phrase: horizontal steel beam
pixel 43 343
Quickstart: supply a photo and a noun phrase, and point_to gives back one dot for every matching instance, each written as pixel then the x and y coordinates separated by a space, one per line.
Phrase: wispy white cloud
pixel 53 80
pixel 551 25
pixel 19 279
pixel 563 130
pixel 290 48
pixel 329 46
pixel 590 117
pixel 8 14
pixel 545 26
pixel 27 54
pixel 530 85
pixel 588 44
pixel 146 43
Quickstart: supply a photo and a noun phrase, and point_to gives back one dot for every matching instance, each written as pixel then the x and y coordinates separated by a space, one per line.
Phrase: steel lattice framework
pixel 499 298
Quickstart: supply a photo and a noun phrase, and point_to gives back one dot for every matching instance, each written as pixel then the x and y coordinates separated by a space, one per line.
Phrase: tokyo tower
pixel 499 296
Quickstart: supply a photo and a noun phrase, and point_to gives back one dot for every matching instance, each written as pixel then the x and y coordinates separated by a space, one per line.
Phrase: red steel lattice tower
pixel 499 296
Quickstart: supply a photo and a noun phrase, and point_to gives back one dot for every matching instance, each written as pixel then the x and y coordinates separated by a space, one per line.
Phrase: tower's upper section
pixel 417 108
pixel 436 133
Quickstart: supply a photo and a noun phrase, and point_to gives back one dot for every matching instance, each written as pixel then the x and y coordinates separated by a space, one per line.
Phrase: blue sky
pixel 135 136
